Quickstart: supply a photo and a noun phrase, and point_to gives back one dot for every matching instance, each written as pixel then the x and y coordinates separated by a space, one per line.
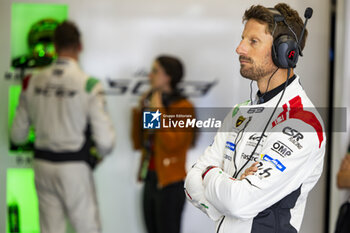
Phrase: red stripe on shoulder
pixel 297 112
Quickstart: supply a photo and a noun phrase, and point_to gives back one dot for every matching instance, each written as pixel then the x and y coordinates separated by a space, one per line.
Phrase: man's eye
pixel 253 41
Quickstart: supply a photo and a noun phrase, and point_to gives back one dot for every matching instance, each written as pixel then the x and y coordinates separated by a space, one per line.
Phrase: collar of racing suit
pixel 65 61
pixel 263 98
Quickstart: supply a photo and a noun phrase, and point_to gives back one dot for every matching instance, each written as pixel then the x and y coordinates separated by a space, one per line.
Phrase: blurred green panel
pixel 14 93
pixel 24 15
pixel 21 193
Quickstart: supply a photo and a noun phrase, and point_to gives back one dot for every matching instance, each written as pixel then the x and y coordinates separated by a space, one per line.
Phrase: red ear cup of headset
pixel 285 52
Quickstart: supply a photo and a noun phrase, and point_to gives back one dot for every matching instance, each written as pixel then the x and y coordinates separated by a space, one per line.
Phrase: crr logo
pixel 293 133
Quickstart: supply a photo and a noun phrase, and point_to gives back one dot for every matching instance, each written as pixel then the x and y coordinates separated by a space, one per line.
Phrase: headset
pixel 285 48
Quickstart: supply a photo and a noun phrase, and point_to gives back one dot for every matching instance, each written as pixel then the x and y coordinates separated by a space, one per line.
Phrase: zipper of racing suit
pixel 268 122
pixel 217 231
pixel 240 133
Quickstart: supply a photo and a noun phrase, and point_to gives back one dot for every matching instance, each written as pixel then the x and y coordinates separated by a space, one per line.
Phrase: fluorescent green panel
pixel 14 93
pixel 24 15
pixel 20 191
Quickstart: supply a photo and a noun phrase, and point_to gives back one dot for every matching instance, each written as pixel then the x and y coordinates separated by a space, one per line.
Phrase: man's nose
pixel 241 48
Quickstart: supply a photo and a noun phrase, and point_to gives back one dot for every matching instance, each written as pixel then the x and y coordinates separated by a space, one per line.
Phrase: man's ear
pixel 80 47
pixel 56 49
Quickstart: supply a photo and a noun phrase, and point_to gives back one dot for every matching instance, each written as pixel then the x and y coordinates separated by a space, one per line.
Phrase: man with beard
pixel 268 155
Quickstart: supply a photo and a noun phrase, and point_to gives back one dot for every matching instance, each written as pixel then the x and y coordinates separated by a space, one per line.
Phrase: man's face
pixel 255 51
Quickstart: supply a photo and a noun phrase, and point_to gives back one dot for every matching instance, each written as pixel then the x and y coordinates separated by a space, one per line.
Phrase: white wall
pixel 121 37
pixel 4 64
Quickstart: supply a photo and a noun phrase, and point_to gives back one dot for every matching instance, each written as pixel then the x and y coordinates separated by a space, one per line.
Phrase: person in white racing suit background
pixel 63 103
pixel 268 155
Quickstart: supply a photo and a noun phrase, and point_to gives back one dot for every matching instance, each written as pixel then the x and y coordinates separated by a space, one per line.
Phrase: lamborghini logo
pixel 240 120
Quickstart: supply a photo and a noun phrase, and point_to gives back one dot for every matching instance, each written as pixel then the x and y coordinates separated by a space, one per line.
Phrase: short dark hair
pixel 172 67
pixel 264 15
pixel 66 36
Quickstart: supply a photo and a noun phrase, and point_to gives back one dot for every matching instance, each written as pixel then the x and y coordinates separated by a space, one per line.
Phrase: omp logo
pixel 231 146
pixel 282 149
pixel 151 120
pixel 275 162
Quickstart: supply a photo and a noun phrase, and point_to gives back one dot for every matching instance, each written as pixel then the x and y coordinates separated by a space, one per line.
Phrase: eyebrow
pixel 252 37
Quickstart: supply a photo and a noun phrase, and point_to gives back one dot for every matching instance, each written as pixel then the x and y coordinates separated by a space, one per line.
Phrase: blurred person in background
pixel 66 107
pixel 343 181
pixel 162 166
pixel 343 176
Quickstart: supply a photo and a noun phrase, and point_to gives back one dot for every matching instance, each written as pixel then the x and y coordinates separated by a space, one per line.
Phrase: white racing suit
pixel 59 102
pixel 290 157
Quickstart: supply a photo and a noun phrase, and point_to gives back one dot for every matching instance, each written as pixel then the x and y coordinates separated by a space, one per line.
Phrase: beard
pixel 253 71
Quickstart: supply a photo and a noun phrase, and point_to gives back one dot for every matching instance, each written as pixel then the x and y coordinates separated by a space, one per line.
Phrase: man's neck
pixel 68 54
pixel 278 78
